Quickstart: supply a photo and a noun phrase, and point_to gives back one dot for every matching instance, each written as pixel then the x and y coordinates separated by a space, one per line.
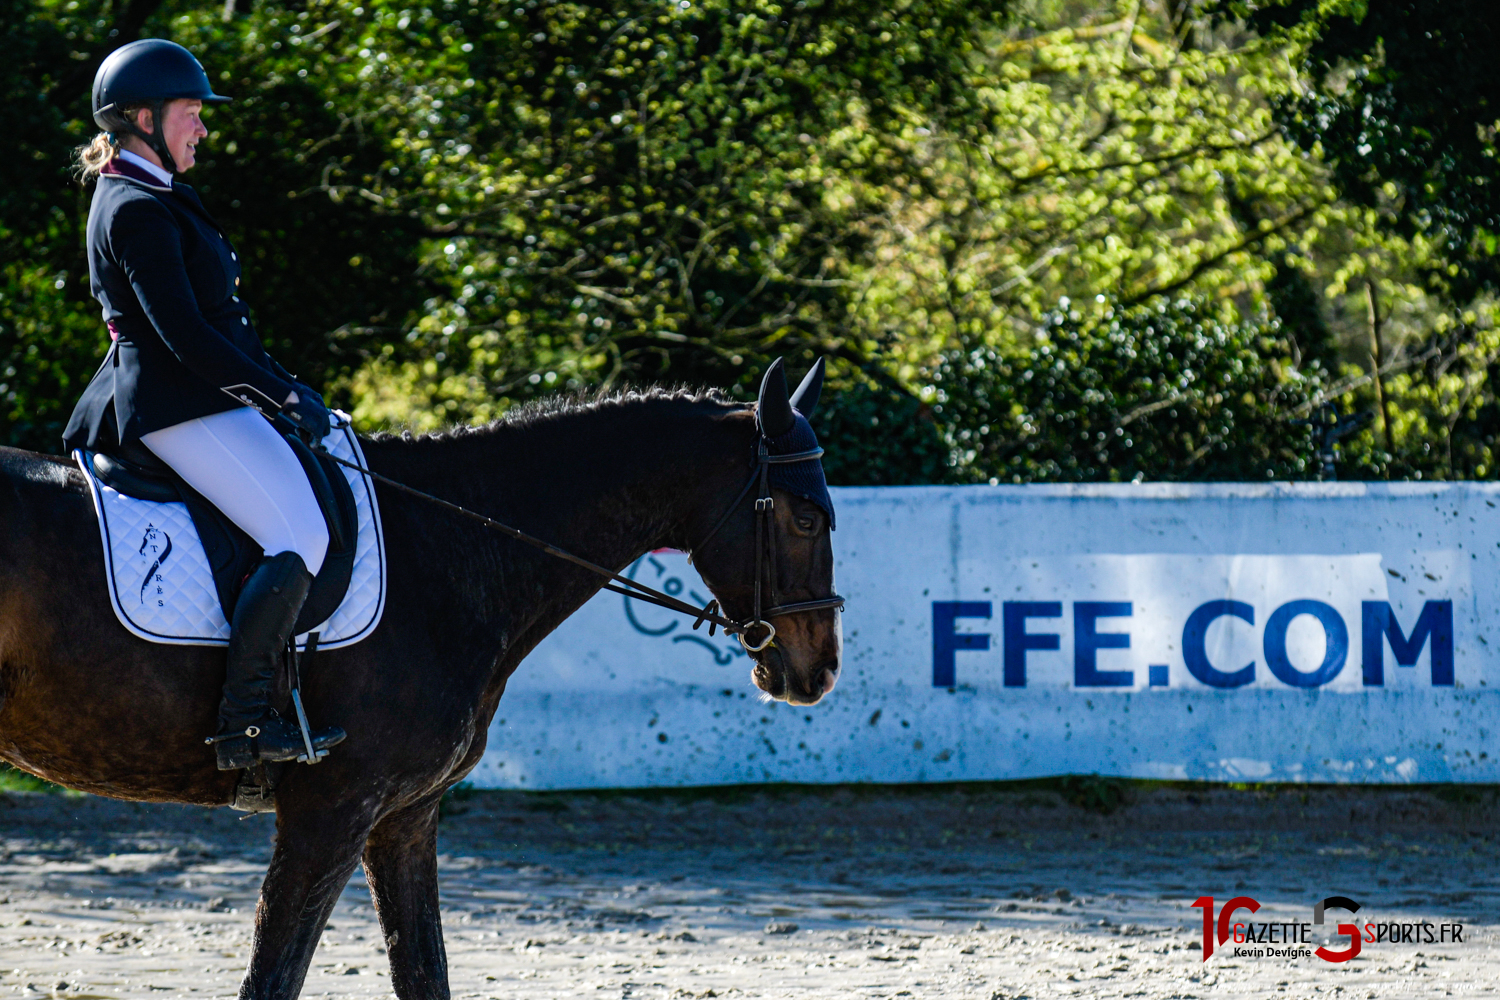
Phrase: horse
pixel 608 478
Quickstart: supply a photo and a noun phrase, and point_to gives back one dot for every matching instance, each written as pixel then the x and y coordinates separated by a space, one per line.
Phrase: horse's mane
pixel 549 409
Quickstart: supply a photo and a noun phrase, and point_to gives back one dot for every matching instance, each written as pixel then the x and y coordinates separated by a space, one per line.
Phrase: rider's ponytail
pixel 91 157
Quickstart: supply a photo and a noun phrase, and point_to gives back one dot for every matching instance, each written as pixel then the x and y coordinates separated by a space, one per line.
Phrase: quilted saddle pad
pixel 162 589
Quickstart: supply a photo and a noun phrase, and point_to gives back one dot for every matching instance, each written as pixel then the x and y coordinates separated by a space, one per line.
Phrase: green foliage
pixel 15 780
pixel 1405 107
pixel 46 335
pixel 447 209
pixel 644 191
pixel 33 124
pixel 877 436
pixel 1114 157
pixel 1169 391
pixel 326 276
pixel 49 336
pixel 330 279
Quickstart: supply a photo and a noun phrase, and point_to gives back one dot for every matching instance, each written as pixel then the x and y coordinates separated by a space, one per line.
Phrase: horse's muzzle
pixel 773 675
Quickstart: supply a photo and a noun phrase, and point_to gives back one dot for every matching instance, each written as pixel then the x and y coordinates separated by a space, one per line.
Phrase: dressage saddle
pixel 135 471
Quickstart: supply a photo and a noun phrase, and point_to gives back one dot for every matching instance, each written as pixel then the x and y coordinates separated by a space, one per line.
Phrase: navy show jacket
pixel 169 284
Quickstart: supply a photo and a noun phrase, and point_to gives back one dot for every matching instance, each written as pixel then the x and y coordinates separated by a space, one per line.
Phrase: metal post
pixel 1331 428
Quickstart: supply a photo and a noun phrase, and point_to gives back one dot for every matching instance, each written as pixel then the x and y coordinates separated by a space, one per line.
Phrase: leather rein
pixel 765 552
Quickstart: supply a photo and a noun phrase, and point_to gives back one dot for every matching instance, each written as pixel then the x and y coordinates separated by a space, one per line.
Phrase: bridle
pixel 765 548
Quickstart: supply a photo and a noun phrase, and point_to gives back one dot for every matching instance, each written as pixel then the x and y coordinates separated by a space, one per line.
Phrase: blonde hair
pixel 90 158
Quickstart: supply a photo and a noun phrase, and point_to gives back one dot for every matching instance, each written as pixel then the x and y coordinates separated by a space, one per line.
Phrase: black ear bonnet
pixel 803 479
pixel 786 431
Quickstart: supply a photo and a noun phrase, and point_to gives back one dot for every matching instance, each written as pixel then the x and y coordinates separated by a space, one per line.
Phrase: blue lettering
pixel 1017 640
pixel 946 642
pixel 1194 653
pixel 1087 643
pixel 1336 649
pixel 1435 622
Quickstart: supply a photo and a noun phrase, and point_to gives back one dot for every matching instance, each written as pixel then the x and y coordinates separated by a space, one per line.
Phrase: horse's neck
pixel 607 484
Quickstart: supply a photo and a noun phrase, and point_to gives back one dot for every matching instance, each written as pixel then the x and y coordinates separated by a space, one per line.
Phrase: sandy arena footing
pixel 989 892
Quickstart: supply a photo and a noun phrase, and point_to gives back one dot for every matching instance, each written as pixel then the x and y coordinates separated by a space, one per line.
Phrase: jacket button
pixel 244 321
pixel 233 256
pixel 235 297
pixel 236 281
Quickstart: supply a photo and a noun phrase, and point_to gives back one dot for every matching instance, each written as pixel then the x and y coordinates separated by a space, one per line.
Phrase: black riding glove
pixel 306 392
pixel 309 414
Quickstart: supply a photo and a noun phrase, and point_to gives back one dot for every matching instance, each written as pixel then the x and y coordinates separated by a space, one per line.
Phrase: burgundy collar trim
pixel 124 168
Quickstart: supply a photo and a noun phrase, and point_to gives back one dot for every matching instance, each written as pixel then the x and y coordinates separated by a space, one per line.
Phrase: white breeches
pixel 241 465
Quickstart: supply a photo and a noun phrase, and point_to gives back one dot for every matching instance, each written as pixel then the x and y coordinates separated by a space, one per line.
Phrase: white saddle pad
pixel 162 589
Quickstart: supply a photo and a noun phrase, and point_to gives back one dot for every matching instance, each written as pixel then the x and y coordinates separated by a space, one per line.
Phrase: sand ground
pixel 994 893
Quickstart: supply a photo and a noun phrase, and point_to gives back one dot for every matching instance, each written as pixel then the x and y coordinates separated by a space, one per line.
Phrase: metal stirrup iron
pixel 312 756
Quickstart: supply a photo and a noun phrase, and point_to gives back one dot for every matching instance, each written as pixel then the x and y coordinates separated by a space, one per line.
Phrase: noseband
pixel 765 549
pixel 765 554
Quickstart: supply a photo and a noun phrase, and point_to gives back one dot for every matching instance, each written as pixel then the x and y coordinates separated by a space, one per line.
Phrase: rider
pixel 186 373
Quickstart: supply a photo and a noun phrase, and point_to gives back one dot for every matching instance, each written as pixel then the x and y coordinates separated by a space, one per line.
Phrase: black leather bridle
pixel 765 552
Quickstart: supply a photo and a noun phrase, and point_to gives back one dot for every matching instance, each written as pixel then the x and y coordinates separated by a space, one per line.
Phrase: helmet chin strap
pixel 156 139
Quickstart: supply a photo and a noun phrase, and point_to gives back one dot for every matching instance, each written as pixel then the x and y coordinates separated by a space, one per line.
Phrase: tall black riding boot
pixel 249 730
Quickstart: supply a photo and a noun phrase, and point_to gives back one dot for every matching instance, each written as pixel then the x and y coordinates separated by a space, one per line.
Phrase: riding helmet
pixel 151 71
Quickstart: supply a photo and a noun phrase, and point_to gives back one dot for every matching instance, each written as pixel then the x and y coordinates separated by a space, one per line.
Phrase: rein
pixel 764 553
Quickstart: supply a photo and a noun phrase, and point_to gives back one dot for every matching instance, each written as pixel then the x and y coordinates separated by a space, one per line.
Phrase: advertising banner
pixel 1339 632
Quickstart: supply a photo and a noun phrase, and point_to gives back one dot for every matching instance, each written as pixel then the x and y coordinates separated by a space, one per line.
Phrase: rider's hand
pixel 308 413
pixel 308 392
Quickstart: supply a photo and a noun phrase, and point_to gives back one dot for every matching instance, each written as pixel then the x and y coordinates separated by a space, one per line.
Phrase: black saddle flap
pixel 336 500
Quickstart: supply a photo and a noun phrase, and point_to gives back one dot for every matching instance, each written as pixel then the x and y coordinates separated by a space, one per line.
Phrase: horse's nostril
pixel 830 678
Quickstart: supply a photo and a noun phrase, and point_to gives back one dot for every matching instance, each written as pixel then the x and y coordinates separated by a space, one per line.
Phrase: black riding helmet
pixel 151 71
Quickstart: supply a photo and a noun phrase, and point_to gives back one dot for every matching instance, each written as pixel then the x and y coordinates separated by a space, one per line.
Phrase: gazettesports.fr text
pixel 1424 932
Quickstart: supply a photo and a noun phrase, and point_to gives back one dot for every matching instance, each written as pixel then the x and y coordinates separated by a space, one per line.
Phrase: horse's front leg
pixel 401 867
pixel 316 851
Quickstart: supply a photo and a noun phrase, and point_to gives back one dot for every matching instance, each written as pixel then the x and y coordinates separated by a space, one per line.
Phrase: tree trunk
pixel 1377 360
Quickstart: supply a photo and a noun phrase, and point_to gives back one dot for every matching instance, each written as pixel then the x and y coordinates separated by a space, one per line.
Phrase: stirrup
pixel 273 739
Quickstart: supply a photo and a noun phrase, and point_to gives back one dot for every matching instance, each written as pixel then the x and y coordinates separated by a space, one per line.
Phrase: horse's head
pixel 784 547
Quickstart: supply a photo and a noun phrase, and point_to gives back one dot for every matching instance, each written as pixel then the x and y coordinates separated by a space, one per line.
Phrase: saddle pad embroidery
pixel 160 583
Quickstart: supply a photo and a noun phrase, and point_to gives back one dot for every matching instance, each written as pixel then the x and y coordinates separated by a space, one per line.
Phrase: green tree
pixel 43 333
pixel 1401 99
pixel 449 208
pixel 1404 107
pixel 1172 390
pixel 642 190
pixel 325 277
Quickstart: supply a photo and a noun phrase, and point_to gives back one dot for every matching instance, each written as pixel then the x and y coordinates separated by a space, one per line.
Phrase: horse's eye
pixel 805 523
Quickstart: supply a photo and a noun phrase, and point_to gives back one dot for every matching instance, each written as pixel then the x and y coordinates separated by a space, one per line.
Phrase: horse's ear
pixel 805 399
pixel 773 411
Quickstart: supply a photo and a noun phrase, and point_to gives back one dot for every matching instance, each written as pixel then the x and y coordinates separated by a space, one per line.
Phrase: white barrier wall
pixel 1230 632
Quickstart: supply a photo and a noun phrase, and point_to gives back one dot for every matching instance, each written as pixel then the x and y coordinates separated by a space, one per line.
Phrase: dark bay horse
pixel 85 704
